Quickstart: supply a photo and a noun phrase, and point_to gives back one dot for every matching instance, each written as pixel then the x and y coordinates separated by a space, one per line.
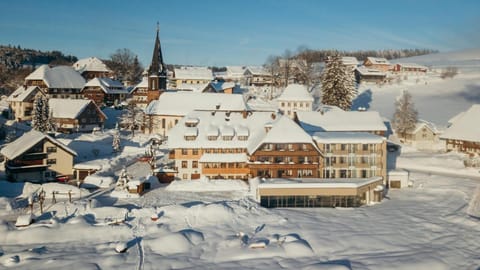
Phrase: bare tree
pixel 124 63
pixel 405 116
pixel 132 118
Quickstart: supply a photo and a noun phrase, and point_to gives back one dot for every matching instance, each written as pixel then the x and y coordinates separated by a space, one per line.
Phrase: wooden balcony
pixel 223 171
pixel 311 166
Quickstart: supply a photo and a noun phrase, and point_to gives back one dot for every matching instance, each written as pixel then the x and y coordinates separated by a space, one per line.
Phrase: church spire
pixel 157 71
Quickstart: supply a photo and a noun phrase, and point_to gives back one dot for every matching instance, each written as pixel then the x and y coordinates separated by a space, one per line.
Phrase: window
pixel 290 147
pixel 194 164
pixel 190 138
pixel 51 149
pixel 184 152
pixel 212 138
pixel 343 147
pixel 194 151
pixel 242 138
pixel 227 138
pixel 343 160
pixel 185 176
pixel 365 147
pixel 163 123
pixel 51 161
pixel 184 164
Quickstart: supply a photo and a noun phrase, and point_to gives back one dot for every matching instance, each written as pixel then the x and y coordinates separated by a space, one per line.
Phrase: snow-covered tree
pixel 116 141
pixel 132 119
pixel 338 84
pixel 405 116
pixel 42 118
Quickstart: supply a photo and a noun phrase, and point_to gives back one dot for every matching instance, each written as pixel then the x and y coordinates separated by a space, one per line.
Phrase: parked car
pixel 62 178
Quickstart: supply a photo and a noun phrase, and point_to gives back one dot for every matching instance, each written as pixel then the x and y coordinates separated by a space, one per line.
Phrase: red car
pixel 62 178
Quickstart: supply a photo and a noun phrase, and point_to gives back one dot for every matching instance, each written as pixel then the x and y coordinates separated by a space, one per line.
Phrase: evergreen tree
pixel 405 116
pixel 41 118
pixel 338 84
pixel 37 117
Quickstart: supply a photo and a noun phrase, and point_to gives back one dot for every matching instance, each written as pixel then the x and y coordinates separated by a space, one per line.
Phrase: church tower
pixel 157 72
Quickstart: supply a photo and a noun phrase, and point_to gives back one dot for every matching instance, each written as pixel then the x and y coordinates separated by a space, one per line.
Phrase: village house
pixel 463 134
pixel 423 135
pixel 57 82
pixel 352 154
pixel 257 76
pixel 92 67
pixel 37 157
pixel 191 75
pixel 350 62
pixel 215 144
pixel 369 75
pixel 155 81
pixel 409 68
pixel 285 151
pixel 164 113
pixel 295 98
pixel 105 91
pixel 222 87
pixel 139 94
pixel 378 63
pixel 337 120
pixel 21 102
pixel 75 115
pixel 232 74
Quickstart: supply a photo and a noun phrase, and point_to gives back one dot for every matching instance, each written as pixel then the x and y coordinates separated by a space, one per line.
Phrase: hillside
pixel 12 57
pixel 466 60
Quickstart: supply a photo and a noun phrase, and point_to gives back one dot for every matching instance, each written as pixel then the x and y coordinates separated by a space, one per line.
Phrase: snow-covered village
pixel 327 157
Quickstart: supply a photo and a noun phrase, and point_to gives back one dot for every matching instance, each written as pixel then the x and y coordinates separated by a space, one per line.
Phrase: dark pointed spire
pixel 158 67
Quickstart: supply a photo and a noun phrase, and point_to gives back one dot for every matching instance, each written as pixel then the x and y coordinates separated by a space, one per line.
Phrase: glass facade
pixel 310 201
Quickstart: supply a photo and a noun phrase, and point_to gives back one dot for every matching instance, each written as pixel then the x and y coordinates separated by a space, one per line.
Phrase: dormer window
pixel 191 134
pixel 191 122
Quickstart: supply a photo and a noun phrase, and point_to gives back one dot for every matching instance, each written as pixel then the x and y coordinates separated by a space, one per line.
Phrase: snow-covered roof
pixel 286 131
pixel 194 87
pixel 200 73
pixel 221 86
pixel 349 60
pixel 90 64
pixel 226 158
pixel 363 70
pixel 292 183
pixel 257 104
pixel 213 124
pixel 27 141
pixel 22 93
pixel 422 123
pixel 142 84
pixel 378 61
pixel 296 92
pixel 335 120
pixel 108 85
pixel 235 71
pixel 466 127
pixel 412 65
pixel 69 108
pixel 347 137
pixel 256 70
pixel 181 103
pixel 58 77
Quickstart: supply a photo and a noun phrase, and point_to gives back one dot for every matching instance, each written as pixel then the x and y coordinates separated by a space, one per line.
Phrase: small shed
pixel 398 178
pixel 165 175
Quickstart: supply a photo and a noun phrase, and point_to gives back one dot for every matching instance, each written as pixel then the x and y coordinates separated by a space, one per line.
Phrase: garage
pixel 397 178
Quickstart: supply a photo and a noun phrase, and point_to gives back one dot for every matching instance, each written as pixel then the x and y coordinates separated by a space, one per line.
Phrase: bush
pixel 449 72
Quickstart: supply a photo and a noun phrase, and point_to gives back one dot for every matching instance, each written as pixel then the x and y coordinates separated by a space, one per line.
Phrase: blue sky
pixel 230 32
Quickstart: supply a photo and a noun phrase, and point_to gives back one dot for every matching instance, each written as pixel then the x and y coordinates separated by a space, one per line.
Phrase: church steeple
pixel 157 72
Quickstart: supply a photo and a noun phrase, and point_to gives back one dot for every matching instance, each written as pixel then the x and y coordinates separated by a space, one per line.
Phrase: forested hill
pixel 14 57
pixel 322 55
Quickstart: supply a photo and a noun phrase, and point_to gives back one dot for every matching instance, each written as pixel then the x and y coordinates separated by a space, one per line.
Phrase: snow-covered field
pixel 216 224
pixel 425 227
